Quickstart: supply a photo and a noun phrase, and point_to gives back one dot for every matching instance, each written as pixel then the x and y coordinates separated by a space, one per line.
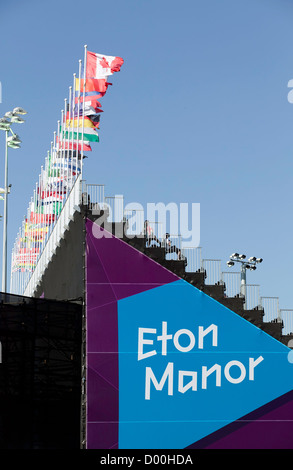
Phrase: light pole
pixel 245 265
pixel 12 141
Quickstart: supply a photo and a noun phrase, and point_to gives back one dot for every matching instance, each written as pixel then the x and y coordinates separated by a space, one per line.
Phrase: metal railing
pixel 232 283
pixel 271 309
pixel 251 293
pixel 115 205
pixel 174 248
pixel 193 257
pixel 213 270
pixel 134 219
pixel 94 196
pixel 71 205
pixel 286 316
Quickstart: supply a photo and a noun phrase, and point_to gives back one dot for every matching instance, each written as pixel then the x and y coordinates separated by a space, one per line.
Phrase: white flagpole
pixel 62 152
pixel 45 234
pixel 83 106
pixel 70 152
pixel 74 156
pixel 78 109
pixel 51 181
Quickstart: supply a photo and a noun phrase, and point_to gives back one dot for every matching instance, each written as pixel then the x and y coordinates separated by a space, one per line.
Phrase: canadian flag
pixel 101 66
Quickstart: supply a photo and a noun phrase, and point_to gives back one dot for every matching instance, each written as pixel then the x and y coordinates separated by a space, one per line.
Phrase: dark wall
pixel 40 373
pixel 63 278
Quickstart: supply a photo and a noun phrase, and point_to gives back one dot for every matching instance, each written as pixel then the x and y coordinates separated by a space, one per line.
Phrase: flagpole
pixel 83 106
pixel 83 413
pixel 50 185
pixel 63 170
pixel 74 156
pixel 71 118
pixel 78 107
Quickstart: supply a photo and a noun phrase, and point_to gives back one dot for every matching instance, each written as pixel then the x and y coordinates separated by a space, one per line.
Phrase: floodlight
pixel 17 119
pixel 252 268
pixel 259 260
pixel 13 145
pixel 230 264
pixel 14 139
pixel 19 111
pixel 242 256
pixel 4 124
pixel 234 255
pixel 252 259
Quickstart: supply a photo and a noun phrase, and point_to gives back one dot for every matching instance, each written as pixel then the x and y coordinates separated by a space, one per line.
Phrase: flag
pixel 94 88
pixel 101 66
pixel 66 166
pixel 95 118
pixel 99 85
pixel 89 108
pixel 90 135
pixel 79 123
pixel 67 144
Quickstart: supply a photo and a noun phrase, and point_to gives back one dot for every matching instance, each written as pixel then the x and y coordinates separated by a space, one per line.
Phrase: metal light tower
pixel 245 265
pixel 12 141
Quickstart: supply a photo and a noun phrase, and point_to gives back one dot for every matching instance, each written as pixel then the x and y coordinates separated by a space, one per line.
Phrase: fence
pixel 271 308
pixel 232 283
pixel 114 204
pixel 193 258
pixel 134 219
pixel 174 247
pixel 94 196
pixel 251 293
pixel 62 224
pixel 286 316
pixel 213 270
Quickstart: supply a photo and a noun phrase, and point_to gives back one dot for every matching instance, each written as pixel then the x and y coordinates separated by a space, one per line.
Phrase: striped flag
pixel 90 134
pixel 69 145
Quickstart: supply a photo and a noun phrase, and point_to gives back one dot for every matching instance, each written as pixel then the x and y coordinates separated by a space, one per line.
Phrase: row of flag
pixel 77 130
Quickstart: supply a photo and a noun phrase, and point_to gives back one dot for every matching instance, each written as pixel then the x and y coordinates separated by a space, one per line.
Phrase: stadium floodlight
pixel 12 142
pixel 245 265
pixel 19 111
pixel 14 139
pixel 13 145
pixel 4 124
pixel 17 119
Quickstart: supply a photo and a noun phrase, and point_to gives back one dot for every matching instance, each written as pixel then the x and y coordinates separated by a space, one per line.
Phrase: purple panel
pixel 102 334
pixel 114 270
pixel 127 270
pixel 269 427
pixel 102 394
pixel 100 436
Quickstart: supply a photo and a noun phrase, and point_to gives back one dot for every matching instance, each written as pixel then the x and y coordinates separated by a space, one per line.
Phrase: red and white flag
pixel 101 66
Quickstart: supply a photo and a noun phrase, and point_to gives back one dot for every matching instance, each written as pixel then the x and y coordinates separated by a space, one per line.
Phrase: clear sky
pixel 199 113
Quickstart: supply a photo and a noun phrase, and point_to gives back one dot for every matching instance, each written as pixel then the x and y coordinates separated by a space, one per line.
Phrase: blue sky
pixel 199 113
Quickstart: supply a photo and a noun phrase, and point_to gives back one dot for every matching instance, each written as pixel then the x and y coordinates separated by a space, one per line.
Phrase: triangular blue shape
pixel 252 367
